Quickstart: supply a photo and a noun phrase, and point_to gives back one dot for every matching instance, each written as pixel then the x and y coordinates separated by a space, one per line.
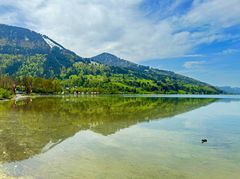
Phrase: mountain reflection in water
pixel 33 126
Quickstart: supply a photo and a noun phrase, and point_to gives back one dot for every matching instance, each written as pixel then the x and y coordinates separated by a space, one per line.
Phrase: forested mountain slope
pixel 25 53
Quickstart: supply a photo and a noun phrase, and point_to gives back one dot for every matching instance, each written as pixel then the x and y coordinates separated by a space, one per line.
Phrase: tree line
pixel 10 86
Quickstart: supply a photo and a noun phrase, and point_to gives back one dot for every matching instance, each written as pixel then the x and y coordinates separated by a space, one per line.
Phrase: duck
pixel 204 140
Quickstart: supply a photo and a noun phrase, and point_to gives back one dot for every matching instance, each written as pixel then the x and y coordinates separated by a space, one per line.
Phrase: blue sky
pixel 216 62
pixel 198 38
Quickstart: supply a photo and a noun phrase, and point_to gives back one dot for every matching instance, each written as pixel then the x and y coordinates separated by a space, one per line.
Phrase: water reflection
pixel 33 126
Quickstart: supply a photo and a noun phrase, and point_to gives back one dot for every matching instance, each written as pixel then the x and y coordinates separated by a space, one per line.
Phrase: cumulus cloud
pixel 214 13
pixel 193 64
pixel 90 27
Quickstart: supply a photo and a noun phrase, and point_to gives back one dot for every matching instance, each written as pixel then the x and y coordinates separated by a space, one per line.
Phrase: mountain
pixel 112 60
pixel 230 90
pixel 25 53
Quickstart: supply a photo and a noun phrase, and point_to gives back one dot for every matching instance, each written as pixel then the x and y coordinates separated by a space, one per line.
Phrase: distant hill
pixel 230 90
pixel 112 60
pixel 27 53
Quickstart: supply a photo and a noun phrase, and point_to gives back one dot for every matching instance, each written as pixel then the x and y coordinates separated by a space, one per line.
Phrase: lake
pixel 141 136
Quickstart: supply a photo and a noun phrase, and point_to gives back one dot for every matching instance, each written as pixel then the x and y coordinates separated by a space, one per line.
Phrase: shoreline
pixel 15 98
pixel 19 97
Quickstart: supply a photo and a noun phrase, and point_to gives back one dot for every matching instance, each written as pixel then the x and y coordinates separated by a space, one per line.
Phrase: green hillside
pixel 35 61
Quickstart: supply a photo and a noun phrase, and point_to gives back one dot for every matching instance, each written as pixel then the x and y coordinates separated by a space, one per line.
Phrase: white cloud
pixel 214 13
pixel 228 51
pixel 193 64
pixel 90 27
pixel 8 18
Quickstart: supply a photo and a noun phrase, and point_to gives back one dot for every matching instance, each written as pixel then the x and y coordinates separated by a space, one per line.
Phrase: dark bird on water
pixel 204 140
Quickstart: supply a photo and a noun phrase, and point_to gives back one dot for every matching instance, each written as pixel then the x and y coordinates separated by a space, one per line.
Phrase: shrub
pixel 5 94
